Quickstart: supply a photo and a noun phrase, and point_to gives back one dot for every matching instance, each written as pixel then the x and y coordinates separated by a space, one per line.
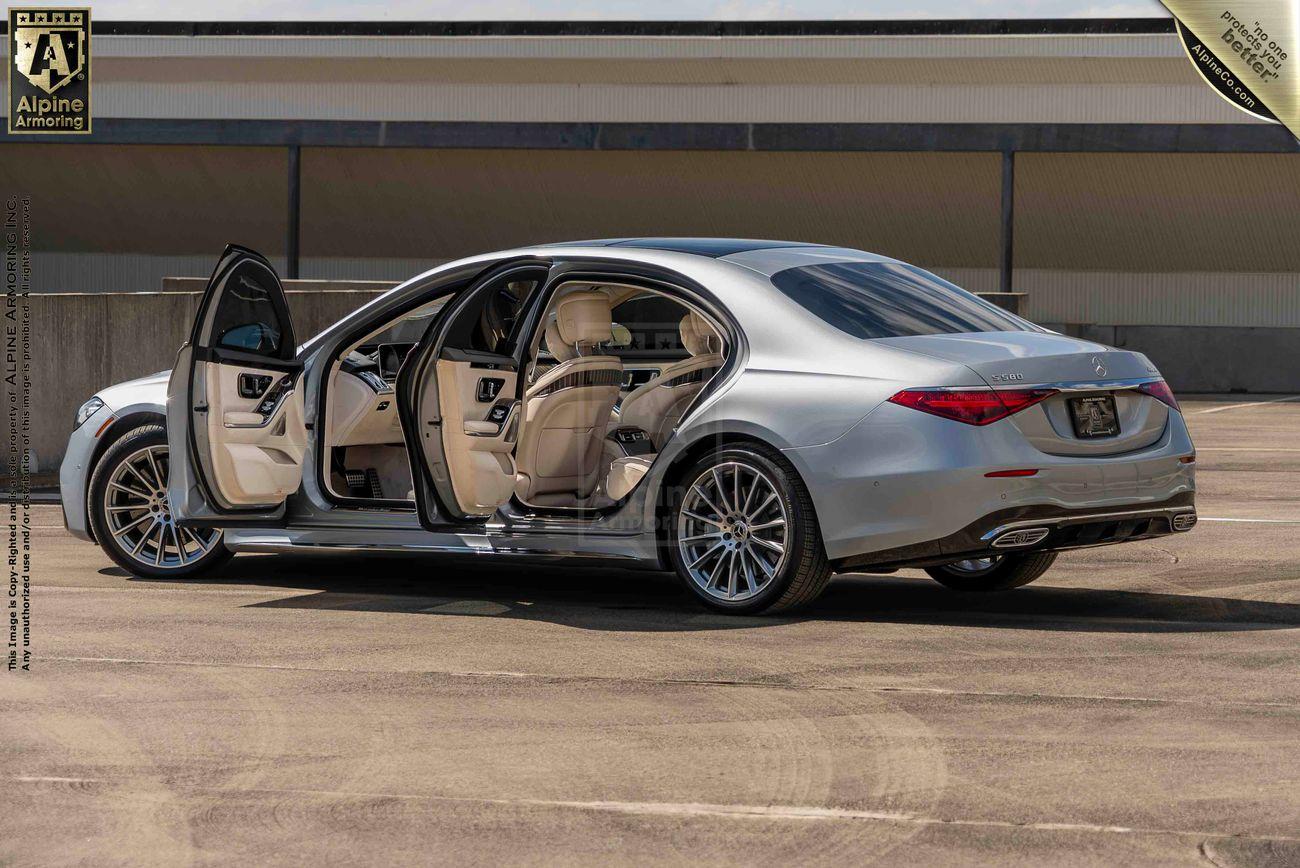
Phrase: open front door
pixel 235 430
pixel 458 395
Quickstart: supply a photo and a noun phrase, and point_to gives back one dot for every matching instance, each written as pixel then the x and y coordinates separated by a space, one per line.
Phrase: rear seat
pixel 625 473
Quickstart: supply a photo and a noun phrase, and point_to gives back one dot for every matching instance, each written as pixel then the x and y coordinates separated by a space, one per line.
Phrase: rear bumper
pixel 1036 529
pixel 901 479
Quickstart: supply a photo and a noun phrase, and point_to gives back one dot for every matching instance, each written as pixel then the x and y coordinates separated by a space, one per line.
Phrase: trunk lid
pixel 1081 369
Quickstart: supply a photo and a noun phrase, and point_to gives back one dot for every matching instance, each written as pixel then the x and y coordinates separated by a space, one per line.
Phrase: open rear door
pixel 235 429
pixel 458 395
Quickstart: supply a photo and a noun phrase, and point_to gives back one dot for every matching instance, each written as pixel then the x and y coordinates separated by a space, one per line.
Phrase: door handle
pixel 253 386
pixel 488 389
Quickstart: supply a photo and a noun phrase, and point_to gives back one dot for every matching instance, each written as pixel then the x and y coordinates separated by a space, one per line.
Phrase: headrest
pixel 555 344
pixel 584 318
pixel 698 336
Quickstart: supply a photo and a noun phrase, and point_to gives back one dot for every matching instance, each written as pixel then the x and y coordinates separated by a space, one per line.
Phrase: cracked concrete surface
pixel 1139 704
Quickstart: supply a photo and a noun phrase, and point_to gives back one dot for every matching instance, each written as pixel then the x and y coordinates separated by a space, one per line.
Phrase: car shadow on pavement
pixel 614 599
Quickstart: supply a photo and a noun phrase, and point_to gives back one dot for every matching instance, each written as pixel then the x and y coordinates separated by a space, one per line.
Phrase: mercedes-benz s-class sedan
pixel 753 415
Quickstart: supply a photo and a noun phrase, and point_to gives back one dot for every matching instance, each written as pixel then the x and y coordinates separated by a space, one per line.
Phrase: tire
pixel 735 554
pixel 1002 574
pixel 131 520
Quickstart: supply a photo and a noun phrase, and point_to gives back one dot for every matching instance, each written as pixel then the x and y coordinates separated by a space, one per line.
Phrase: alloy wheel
pixel 733 531
pixel 139 516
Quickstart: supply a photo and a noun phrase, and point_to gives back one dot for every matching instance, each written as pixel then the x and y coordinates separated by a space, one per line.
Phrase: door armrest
pixel 238 419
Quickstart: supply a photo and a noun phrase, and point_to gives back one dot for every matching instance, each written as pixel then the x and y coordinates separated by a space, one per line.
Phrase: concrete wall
pixel 82 342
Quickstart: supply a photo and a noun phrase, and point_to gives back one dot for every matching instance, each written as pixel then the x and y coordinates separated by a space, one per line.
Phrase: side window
pixel 654 326
pixel 871 300
pixel 498 322
pixel 246 318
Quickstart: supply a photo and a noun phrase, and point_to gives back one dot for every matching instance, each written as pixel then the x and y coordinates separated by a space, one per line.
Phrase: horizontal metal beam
pixel 1109 138
pixel 950 27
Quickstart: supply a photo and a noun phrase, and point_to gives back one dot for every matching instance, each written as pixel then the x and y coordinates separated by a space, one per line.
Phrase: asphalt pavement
pixel 1139 704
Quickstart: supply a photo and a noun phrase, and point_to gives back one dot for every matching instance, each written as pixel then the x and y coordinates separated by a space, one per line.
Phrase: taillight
pixel 972 406
pixel 1160 390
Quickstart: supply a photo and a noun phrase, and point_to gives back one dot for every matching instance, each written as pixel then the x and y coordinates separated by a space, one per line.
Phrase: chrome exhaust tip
pixel 1013 539
pixel 1183 521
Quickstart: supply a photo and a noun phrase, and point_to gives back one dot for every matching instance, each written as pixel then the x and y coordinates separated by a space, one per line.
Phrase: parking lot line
pixel 1247 449
pixel 1257 520
pixel 796 813
pixel 1246 404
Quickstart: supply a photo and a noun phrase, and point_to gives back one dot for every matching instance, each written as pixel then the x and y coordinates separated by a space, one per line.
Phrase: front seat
pixel 567 411
pixel 657 406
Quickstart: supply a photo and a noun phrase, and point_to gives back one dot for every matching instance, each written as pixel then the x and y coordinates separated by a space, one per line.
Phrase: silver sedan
pixel 753 415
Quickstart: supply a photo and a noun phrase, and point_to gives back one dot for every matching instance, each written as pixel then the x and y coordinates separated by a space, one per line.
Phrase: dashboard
pixel 380 361
pixel 364 406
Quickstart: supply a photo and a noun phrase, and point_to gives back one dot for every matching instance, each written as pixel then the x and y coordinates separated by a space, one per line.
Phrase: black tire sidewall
pixel 133 441
pixel 800 528
pixel 1013 571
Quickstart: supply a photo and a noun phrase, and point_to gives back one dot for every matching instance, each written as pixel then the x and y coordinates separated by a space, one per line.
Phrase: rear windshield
pixel 891 300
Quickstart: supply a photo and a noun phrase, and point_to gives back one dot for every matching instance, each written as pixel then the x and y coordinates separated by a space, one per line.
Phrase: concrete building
pixel 1082 162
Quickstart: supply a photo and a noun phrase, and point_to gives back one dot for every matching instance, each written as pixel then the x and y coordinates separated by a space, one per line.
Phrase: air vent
pixel 1014 539
pixel 1184 521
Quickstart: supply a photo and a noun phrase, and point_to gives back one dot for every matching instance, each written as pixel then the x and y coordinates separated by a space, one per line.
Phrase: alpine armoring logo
pixel 49 71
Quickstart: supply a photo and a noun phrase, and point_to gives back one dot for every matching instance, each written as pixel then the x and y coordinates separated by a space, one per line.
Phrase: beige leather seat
pixel 625 473
pixel 566 412
pixel 657 406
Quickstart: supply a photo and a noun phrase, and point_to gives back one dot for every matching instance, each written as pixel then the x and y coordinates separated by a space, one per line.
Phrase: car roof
pixel 762 256
pixel 712 247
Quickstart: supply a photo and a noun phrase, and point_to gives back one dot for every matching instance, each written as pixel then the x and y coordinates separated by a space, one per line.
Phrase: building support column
pixel 1008 218
pixel 295 212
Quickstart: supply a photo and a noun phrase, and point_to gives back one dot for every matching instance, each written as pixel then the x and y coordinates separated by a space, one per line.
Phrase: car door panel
pixel 259 440
pixel 235 422
pixel 479 451
pixel 459 411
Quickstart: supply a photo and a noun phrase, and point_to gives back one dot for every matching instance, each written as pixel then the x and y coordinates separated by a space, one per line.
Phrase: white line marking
pixel 38 779
pixel 743 812
pixel 1246 404
pixel 1256 520
pixel 1247 449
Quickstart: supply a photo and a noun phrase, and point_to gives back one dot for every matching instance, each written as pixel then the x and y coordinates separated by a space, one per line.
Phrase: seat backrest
pixel 657 406
pixel 566 412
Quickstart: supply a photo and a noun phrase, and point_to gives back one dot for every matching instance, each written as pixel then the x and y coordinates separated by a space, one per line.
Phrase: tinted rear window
pixel 890 300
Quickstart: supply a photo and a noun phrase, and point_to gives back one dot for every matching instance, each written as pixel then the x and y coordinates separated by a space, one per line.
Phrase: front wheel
pixel 744 533
pixel 132 518
pixel 996 573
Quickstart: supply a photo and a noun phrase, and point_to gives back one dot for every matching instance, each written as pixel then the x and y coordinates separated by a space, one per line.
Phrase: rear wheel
pixel 996 573
pixel 132 517
pixel 744 534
